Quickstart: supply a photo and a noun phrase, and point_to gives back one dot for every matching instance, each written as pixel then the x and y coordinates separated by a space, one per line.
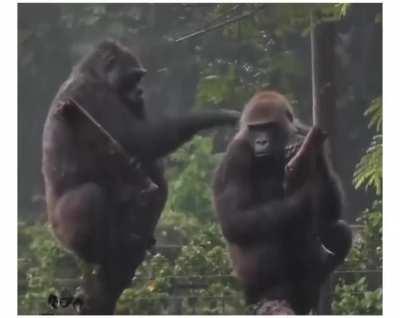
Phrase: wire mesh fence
pixel 187 294
pixel 186 297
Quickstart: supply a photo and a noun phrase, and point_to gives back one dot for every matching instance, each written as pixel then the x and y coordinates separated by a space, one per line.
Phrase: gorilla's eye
pixel 130 80
pixel 133 78
pixel 135 75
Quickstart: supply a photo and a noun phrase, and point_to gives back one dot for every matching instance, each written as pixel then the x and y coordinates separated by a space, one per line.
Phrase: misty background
pixel 53 37
pixel 268 46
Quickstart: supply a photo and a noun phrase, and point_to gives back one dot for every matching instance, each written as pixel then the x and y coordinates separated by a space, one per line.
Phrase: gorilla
pixel 102 207
pixel 285 235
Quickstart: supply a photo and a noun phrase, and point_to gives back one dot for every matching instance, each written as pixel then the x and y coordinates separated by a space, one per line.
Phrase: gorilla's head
pixel 269 124
pixel 113 63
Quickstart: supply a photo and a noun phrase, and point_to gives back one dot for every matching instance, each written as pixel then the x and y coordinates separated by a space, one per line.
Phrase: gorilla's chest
pixel 268 190
pixel 268 184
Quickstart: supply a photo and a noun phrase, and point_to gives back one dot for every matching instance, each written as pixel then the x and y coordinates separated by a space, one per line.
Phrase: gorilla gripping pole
pixel 315 136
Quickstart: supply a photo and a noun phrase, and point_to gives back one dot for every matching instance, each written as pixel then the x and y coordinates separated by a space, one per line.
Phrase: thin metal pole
pixel 314 78
pixel 116 144
pixel 132 161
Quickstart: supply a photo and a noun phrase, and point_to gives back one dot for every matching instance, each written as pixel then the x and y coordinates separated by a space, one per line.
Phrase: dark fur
pixel 91 191
pixel 271 234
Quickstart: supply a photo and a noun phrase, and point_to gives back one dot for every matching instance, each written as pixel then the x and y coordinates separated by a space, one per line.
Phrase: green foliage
pixel 196 280
pixel 287 64
pixel 255 52
pixel 356 299
pixel 375 113
pixel 213 89
pixel 367 248
pixel 359 296
pixel 222 86
pixel 43 268
pixel 342 9
pixel 368 172
pixel 190 188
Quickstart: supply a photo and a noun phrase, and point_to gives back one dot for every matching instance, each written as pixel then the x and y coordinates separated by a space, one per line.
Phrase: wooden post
pixel 324 110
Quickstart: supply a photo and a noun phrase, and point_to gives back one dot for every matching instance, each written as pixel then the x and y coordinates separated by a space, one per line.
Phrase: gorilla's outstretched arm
pixel 147 139
pixel 167 134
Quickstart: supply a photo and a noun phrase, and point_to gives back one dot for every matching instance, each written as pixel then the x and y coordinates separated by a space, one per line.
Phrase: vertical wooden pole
pixel 322 38
pixel 325 106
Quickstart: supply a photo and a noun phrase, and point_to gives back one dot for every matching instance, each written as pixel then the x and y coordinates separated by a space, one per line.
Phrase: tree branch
pixel 220 25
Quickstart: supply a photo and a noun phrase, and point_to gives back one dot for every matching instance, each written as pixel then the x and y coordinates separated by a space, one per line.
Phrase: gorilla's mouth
pixel 263 153
pixel 135 94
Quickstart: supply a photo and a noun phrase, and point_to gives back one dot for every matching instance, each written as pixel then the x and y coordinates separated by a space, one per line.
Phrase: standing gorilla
pixel 279 230
pixel 93 194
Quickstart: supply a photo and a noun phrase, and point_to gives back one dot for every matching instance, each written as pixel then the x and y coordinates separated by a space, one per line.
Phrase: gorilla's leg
pixel 103 286
pixel 88 222
pixel 80 221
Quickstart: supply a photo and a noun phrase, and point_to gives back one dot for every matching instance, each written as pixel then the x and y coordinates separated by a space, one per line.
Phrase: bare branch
pixel 220 25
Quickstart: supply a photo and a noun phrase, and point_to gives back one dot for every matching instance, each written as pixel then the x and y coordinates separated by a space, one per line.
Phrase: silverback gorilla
pixel 92 192
pixel 276 235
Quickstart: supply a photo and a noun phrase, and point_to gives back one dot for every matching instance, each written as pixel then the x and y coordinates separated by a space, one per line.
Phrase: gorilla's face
pixel 267 139
pixel 129 85
pixel 273 144
pixel 124 74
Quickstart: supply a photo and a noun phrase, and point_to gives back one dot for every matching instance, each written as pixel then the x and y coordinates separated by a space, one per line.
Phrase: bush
pixel 361 296
pixel 43 268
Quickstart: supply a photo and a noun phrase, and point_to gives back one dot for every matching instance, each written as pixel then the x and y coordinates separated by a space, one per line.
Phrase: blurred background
pixel 242 47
